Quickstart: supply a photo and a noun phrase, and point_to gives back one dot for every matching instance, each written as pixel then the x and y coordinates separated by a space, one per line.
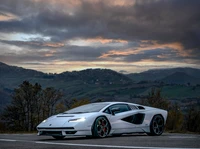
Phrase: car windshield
pixel 94 107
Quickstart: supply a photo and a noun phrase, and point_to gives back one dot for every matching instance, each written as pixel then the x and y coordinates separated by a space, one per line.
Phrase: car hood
pixel 61 119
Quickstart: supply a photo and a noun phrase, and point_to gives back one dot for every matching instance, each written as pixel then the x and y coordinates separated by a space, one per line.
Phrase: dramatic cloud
pixel 121 35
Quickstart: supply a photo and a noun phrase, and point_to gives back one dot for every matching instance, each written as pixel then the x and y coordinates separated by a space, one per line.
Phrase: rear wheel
pixel 156 126
pixel 58 137
pixel 101 127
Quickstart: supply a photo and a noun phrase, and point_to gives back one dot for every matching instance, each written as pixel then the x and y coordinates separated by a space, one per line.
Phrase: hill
pixel 180 78
pixel 7 71
pixel 95 76
pixel 12 76
pixel 191 75
pixel 104 84
pixel 89 83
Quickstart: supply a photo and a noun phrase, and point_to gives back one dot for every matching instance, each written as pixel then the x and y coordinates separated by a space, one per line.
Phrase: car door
pixel 123 119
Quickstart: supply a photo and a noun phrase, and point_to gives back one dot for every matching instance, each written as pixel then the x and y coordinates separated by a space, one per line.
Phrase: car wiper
pixel 76 112
pixel 73 112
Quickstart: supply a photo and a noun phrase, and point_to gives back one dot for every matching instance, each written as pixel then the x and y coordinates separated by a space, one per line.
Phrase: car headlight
pixel 82 119
pixel 44 121
pixel 53 116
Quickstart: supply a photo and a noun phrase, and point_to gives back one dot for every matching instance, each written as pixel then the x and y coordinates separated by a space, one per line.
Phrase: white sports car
pixel 103 119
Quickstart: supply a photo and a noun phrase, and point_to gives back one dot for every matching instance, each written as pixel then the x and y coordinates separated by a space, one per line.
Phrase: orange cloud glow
pixel 105 41
pixel 94 41
pixel 50 53
pixel 145 47
pixel 62 66
pixel 7 17
pixel 53 45
pixel 46 44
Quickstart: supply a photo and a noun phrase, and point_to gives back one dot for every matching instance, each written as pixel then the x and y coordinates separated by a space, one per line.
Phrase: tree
pixel 2 127
pixel 175 118
pixel 50 97
pixel 19 112
pixel 193 120
pixel 28 104
pixel 12 119
pixel 79 103
pixel 60 107
pixel 37 103
pixel 156 100
pixel 73 103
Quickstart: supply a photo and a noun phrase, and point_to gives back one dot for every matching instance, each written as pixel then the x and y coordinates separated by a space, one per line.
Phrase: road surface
pixel 135 141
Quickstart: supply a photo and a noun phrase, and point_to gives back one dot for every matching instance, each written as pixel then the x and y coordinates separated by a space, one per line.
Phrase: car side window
pixel 107 111
pixel 133 107
pixel 120 108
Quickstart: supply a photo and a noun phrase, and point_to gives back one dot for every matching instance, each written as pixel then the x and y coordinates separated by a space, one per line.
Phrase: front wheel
pixel 156 126
pixel 101 127
pixel 58 137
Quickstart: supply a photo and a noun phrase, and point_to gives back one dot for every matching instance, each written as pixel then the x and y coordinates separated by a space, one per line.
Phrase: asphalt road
pixel 135 141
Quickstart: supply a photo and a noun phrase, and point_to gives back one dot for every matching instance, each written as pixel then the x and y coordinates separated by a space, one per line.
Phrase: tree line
pixel 31 104
pixel 177 120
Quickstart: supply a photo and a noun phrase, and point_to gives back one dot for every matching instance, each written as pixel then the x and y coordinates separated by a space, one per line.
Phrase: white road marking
pixel 182 137
pixel 108 146
pixel 8 140
pixel 96 145
pixel 19 134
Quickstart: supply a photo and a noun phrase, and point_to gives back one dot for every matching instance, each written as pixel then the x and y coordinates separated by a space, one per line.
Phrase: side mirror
pixel 113 110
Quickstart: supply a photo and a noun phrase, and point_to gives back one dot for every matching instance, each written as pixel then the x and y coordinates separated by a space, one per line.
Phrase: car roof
pixel 116 102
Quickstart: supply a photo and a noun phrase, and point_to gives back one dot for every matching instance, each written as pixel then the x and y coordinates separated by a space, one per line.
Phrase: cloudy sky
pixel 123 35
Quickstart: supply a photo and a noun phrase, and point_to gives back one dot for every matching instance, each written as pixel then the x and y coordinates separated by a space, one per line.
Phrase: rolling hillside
pixel 173 75
pixel 95 76
pixel 7 71
pixel 90 83
pixel 180 78
pixel 104 84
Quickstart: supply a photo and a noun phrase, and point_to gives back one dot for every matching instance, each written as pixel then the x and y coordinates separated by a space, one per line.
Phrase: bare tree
pixel 28 104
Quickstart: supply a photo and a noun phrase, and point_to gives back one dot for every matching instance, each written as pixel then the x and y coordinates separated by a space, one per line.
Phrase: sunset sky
pixel 123 35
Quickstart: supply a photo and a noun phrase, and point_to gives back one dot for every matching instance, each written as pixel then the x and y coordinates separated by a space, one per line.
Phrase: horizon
pixel 124 36
pixel 125 73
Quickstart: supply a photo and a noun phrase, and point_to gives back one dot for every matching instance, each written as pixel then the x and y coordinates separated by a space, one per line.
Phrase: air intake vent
pixel 57 133
pixel 135 119
pixel 53 128
pixel 65 116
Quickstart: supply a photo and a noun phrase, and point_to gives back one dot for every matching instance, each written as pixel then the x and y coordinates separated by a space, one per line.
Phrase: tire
pixel 88 137
pixel 58 137
pixel 101 127
pixel 156 126
pixel 116 135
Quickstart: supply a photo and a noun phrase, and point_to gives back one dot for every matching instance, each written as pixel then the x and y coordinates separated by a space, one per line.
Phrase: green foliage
pixel 156 100
pixel 175 119
pixel 175 116
pixel 75 103
pixel 181 91
pixel 80 103
pixel 60 107
pixel 193 120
